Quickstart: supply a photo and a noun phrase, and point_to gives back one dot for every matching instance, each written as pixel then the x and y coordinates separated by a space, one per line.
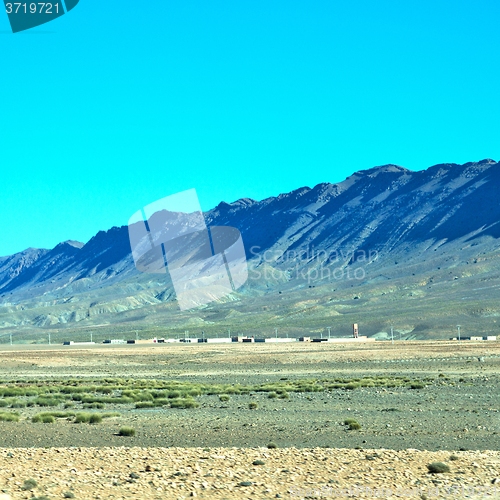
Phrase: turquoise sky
pixel 118 104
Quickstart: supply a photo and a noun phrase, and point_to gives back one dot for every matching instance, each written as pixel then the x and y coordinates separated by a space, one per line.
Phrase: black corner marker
pixel 26 15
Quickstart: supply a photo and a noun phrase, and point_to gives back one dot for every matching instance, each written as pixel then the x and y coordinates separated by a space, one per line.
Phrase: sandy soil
pixel 207 452
pixel 159 473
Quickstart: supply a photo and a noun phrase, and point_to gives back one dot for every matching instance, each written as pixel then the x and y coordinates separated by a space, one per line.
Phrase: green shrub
pixel 145 404
pixel 49 417
pixel 111 414
pixel 224 397
pixel 438 468
pixel 272 395
pixel 184 403
pixel 351 386
pixel 9 416
pixel 82 418
pixel 95 418
pixel 18 404
pixel 253 405
pixel 143 396
pixel 122 400
pixel 10 402
pixel 417 385
pixel 352 423
pixel 44 401
pixel 161 402
pixel 272 446
pixel 69 404
pixel 126 431
pixel 29 484
pixel 99 406
pixel 104 390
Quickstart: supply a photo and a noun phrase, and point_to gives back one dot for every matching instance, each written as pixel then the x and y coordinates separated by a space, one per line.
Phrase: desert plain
pixel 290 420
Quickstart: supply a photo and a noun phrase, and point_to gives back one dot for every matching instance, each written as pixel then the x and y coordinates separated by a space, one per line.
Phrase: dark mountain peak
pixel 244 202
pixel 481 165
pixel 448 167
pixel 296 193
pixel 241 203
pixel 382 169
pixel 32 250
pixel 223 206
pixel 70 243
pixel 442 168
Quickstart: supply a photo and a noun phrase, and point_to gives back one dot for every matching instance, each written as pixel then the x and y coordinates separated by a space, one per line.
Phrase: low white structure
pixel 362 338
pixel 78 343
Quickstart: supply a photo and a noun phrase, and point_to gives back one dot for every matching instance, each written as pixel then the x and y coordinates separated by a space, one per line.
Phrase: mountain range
pixel 420 250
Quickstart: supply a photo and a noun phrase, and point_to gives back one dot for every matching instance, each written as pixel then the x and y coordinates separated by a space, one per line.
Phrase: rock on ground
pixel 229 473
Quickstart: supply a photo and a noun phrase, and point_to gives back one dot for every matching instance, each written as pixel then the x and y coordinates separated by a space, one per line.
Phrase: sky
pixel 118 104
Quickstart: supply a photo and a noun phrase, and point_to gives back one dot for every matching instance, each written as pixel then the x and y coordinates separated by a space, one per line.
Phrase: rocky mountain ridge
pixel 402 220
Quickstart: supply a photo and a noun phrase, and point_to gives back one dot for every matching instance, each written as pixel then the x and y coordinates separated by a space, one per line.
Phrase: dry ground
pixel 229 473
pixel 220 441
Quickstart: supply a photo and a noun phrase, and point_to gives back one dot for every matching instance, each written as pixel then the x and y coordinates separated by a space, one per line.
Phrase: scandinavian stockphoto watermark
pixel 205 263
pixel 26 15
pixel 311 264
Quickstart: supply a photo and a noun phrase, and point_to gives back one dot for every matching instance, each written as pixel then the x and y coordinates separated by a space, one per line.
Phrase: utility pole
pixel 203 336
pixel 11 339
pixel 276 332
pixel 329 330
pixel 229 333
pixel 458 326
pixel 49 338
pixel 392 334
pixel 136 335
pixel 91 337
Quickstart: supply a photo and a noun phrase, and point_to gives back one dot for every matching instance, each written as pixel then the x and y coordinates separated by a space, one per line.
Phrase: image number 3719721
pixel 27 15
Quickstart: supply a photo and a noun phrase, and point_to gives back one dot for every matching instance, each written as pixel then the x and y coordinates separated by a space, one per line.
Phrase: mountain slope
pixel 389 223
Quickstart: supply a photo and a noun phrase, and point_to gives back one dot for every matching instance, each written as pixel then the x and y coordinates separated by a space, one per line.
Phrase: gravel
pixel 159 473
